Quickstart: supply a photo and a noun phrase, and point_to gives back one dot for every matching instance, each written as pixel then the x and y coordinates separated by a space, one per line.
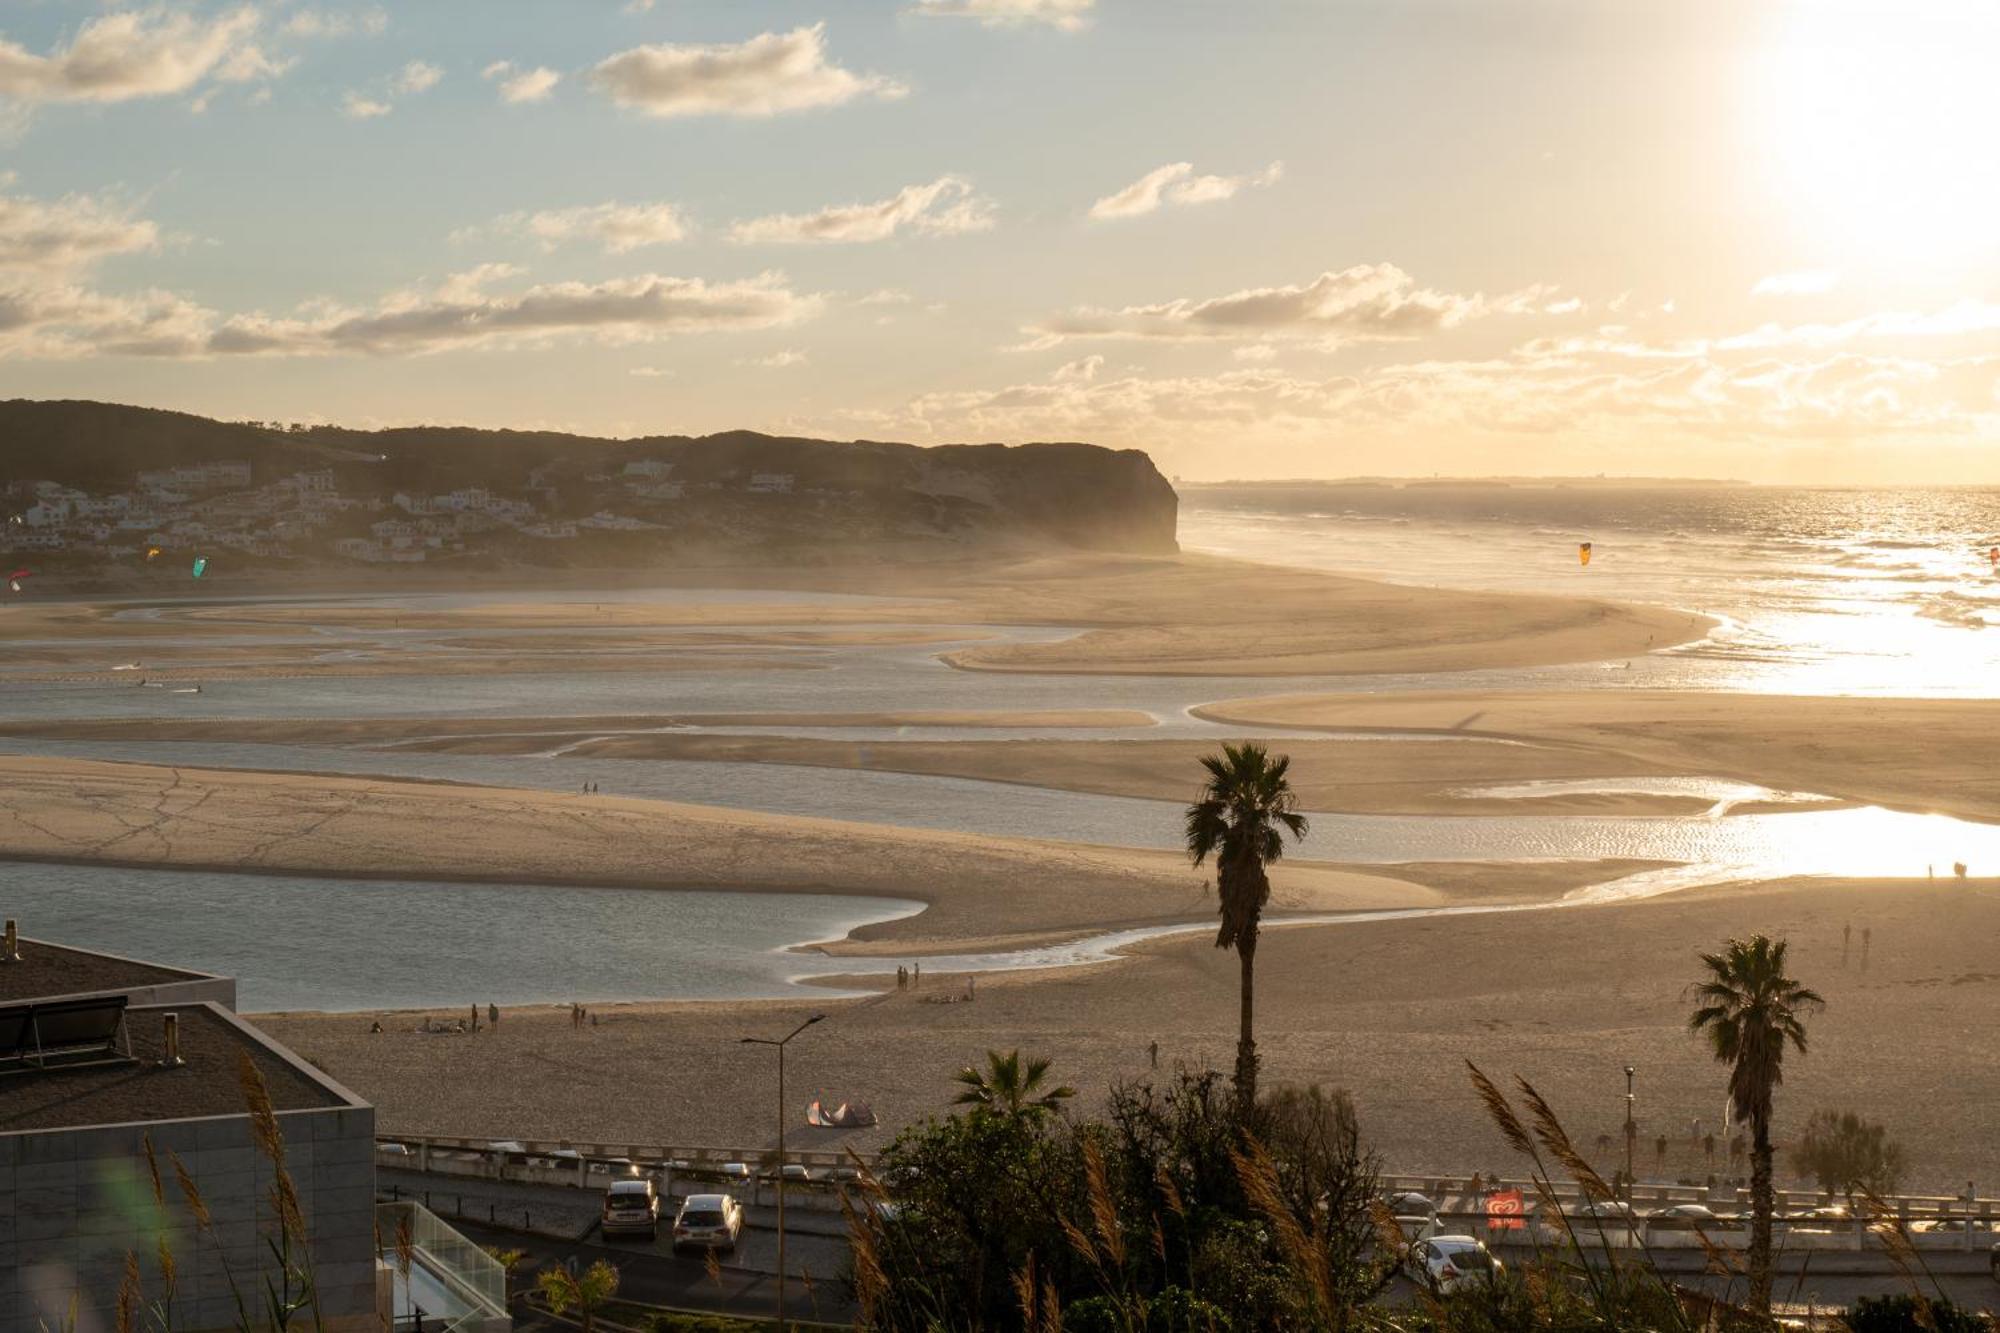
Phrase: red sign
pixel 1504 1210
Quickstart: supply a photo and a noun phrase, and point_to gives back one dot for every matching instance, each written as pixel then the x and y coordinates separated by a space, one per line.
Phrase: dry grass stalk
pixel 153 1171
pixel 1260 1185
pixel 191 1192
pixel 1550 1132
pixel 1169 1193
pixel 406 1244
pixel 1103 1213
pixel 125 1312
pixel 1502 1113
pixel 269 1141
pixel 871 1284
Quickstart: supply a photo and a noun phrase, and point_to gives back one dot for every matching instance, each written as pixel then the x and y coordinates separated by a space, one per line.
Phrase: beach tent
pixel 848 1115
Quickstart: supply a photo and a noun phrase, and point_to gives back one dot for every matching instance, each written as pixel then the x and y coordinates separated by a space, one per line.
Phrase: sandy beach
pixel 979 892
pixel 1390 1011
pixel 1182 615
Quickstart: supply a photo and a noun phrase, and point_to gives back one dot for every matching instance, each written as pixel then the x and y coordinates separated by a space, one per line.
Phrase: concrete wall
pixel 74 1203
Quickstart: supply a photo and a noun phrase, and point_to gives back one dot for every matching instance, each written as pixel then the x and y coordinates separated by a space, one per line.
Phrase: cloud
pixel 419 76
pixel 651 372
pixel 528 85
pixel 618 228
pixel 55 236
pixel 1364 303
pixel 886 296
pixel 1806 282
pixel 359 106
pixel 946 206
pixel 764 76
pixel 777 360
pixel 320 23
pixel 144 53
pixel 1176 184
pixel 461 312
pixel 1068 15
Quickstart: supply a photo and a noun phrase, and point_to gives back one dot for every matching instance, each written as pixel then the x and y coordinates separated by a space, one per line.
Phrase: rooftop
pixel 207 1085
pixel 51 969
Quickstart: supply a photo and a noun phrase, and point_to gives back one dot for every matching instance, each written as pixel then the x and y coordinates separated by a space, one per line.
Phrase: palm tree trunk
pixel 1760 1208
pixel 1246 1043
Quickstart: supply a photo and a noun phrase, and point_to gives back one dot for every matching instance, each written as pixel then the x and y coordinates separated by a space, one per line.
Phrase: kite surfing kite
pixel 14 579
pixel 200 565
pixel 152 551
pixel 1583 553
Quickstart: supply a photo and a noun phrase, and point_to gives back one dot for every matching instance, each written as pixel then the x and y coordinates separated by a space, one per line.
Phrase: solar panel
pixel 64 1034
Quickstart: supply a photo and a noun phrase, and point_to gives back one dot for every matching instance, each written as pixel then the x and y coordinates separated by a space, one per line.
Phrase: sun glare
pixel 1880 122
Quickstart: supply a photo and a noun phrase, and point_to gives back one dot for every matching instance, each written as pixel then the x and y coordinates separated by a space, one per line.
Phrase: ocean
pixel 1826 591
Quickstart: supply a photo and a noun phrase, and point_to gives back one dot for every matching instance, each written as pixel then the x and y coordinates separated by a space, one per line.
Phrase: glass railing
pixel 441 1275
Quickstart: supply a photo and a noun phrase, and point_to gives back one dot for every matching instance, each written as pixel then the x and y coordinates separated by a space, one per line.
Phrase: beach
pixel 1390 1011
pixel 323 749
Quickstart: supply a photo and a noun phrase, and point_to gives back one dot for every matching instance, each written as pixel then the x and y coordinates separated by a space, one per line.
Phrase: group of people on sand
pixel 590 789
pixel 578 1014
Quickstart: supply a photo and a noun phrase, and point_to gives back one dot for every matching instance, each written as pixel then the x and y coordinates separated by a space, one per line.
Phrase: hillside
pixel 91 486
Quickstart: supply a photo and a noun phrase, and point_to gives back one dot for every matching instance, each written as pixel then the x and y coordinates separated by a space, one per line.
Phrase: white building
pixel 771 483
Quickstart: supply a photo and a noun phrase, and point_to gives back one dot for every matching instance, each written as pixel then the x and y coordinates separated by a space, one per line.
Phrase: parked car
pixel 708 1222
pixel 1450 1263
pixel 735 1170
pixel 1416 1215
pixel 795 1171
pixel 1692 1217
pixel 631 1208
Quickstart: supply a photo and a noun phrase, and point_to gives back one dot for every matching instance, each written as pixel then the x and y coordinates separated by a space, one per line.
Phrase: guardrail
pixel 750 1172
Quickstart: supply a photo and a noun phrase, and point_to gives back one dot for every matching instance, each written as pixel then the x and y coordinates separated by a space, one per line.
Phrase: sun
pixel 1879 122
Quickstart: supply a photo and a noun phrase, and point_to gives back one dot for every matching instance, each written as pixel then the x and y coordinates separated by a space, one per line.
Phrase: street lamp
pixel 781 1044
pixel 1631 1130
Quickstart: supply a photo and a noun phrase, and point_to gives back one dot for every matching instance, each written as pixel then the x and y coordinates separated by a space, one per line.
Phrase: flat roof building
pixel 145 1127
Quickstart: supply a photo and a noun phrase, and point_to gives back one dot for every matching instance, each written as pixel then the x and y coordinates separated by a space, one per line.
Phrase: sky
pixel 1256 238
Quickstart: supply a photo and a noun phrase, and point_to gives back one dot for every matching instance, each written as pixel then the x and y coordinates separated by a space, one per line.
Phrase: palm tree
pixel 1010 1085
pixel 1749 1011
pixel 588 1291
pixel 1244 812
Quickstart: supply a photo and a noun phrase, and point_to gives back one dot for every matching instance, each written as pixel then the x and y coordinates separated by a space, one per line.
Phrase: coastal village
pixel 219 506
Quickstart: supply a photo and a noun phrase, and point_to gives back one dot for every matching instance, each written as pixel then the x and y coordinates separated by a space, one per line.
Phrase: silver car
pixel 631 1208
pixel 708 1222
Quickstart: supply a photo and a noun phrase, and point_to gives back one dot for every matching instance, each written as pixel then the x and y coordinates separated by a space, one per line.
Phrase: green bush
pixel 1175 1310
pixel 1903 1314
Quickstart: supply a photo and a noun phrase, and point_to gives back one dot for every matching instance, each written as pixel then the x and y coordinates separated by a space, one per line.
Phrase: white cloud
pixel 1363 303
pixel 321 23
pixel 1068 15
pixel 1176 184
pixel 766 75
pixel 652 372
pixel 946 206
pixel 886 296
pixel 359 106
pixel 419 76
pixel 1255 352
pixel 461 312
pixel 777 360
pixel 1806 282
pixel 527 85
pixel 144 53
pixel 618 228
pixel 49 237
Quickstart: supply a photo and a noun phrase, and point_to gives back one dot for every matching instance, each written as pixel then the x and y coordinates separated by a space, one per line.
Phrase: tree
pixel 1244 811
pixel 509 1260
pixel 1011 1086
pixel 1750 1011
pixel 588 1291
pixel 1848 1155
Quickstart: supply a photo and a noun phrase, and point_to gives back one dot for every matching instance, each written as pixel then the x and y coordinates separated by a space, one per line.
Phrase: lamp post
pixel 781 1043
pixel 1631 1130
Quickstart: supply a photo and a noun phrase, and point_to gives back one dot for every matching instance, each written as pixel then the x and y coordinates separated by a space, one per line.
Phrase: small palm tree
pixel 1244 812
pixel 1010 1085
pixel 1750 1011
pixel 588 1291
pixel 509 1260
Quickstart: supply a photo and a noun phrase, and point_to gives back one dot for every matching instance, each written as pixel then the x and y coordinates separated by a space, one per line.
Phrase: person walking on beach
pixel 492 1014
pixel 1867 936
pixel 1153 1053
pixel 1846 938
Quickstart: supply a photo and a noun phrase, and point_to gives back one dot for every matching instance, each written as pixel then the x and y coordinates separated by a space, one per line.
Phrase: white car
pixel 1451 1263
pixel 631 1208
pixel 708 1222
pixel 795 1171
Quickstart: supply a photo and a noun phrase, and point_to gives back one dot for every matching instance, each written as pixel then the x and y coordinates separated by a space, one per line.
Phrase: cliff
pixel 536 498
